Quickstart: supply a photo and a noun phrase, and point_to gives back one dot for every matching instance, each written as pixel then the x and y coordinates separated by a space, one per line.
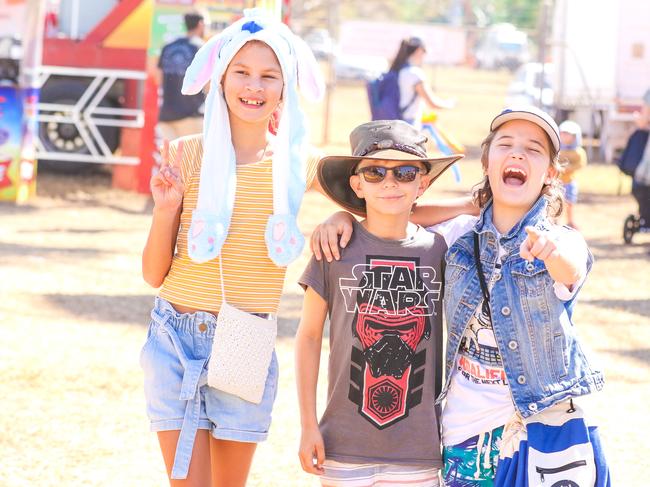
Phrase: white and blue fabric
pixel 211 218
pixel 555 448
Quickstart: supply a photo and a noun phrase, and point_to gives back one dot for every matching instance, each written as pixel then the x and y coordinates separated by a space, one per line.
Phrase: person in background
pixel 641 178
pixel 413 88
pixel 574 158
pixel 179 114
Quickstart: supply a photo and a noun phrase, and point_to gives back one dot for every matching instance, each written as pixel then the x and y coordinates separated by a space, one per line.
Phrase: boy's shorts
pixel 472 462
pixel 571 192
pixel 174 360
pixel 338 474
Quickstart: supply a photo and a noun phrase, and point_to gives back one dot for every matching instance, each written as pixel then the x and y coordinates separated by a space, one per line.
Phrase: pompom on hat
pixel 211 218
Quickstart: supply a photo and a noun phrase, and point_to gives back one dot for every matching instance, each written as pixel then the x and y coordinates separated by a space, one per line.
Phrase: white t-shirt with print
pixel 478 398
pixel 409 77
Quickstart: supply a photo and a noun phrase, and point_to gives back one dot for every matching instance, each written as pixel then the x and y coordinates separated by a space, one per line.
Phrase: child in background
pixel 574 158
pixel 233 194
pixel 513 353
pixel 383 298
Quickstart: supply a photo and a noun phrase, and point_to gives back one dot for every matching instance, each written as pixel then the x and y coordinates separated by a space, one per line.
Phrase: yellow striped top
pixel 252 281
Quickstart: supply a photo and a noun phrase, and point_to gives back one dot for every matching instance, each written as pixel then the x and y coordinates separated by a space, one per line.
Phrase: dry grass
pixel 74 311
pixel 478 95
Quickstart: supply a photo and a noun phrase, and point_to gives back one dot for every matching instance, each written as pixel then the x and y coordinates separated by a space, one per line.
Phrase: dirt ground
pixel 74 308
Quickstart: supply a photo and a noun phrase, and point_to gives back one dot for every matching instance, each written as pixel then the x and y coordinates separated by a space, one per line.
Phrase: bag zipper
pixel 541 471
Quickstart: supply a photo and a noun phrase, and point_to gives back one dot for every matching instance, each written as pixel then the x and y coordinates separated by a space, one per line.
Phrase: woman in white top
pixel 414 91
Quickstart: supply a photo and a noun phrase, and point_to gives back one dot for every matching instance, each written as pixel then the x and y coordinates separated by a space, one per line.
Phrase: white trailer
pixel 601 52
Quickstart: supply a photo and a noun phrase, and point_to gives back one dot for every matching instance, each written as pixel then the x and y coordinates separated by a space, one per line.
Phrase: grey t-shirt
pixel 385 364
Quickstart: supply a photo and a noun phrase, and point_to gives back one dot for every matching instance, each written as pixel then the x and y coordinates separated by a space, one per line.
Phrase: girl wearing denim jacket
pixel 515 352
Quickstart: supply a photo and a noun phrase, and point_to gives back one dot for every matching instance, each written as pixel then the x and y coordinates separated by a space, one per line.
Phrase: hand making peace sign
pixel 166 185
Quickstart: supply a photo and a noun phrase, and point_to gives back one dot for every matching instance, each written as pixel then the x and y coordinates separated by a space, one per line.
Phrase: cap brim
pixel 530 117
pixel 334 177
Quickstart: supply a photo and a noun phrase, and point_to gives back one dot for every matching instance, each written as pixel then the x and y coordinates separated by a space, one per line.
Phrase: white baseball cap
pixel 570 127
pixel 531 114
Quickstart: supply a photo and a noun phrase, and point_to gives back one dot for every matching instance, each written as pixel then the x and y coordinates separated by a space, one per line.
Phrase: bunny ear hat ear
pixel 211 218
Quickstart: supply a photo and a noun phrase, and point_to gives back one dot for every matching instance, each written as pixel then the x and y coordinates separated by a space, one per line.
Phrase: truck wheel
pixel 64 137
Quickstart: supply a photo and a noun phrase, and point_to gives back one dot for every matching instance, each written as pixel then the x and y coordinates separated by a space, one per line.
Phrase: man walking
pixel 179 114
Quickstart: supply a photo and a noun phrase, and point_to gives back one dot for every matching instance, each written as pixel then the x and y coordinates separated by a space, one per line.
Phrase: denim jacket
pixel 542 357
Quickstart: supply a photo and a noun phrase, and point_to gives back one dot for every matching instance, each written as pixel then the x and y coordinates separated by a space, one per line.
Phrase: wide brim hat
pixel 531 114
pixel 382 140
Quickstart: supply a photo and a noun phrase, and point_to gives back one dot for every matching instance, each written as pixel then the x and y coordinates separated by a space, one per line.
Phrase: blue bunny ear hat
pixel 211 218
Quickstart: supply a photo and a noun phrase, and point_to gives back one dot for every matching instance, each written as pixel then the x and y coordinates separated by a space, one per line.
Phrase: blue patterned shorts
pixel 473 462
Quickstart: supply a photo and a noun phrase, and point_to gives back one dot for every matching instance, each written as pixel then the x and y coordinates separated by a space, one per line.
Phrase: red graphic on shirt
pixel 389 338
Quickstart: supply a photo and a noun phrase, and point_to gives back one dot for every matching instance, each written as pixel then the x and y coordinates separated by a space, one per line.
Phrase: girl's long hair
pixel 407 47
pixel 554 191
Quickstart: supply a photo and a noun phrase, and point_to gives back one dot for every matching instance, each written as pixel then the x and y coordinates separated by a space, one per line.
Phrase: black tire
pixel 64 137
pixel 630 227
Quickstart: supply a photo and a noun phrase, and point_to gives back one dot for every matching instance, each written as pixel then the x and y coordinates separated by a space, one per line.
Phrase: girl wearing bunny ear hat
pixel 224 224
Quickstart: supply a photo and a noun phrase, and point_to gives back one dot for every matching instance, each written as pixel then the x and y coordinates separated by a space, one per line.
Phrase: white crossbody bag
pixel 242 349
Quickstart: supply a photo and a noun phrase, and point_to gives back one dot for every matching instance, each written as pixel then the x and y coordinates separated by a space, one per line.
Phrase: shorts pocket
pixel 148 344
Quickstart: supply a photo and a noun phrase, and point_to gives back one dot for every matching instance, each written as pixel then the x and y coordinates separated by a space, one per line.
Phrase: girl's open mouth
pixel 514 176
pixel 252 103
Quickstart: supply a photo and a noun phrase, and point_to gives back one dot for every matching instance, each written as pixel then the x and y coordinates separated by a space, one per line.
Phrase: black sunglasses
pixel 402 174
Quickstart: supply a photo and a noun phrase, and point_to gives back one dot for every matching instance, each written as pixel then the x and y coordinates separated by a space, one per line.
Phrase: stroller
pixel 628 163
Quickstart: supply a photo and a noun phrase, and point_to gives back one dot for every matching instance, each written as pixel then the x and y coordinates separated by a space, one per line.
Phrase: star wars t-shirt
pixel 385 363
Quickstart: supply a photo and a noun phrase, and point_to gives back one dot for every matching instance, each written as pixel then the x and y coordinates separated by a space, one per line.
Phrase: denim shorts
pixel 571 192
pixel 174 360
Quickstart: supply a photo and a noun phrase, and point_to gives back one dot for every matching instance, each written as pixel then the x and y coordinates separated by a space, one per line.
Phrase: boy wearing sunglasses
pixel 383 299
